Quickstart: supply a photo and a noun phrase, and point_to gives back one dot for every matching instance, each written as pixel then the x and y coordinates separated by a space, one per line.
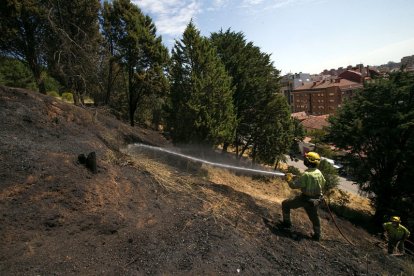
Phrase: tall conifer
pixel 23 27
pixel 201 92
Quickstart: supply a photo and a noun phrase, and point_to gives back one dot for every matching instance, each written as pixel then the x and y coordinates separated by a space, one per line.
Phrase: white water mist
pixel 226 166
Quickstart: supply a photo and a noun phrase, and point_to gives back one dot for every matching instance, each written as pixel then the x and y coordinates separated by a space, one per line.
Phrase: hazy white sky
pixel 302 35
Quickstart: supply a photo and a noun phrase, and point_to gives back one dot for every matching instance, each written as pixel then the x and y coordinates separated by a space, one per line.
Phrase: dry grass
pixel 162 174
pixel 356 202
pixel 273 191
pixel 219 206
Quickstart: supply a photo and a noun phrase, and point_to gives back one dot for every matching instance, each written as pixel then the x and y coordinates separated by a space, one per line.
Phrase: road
pixel 344 184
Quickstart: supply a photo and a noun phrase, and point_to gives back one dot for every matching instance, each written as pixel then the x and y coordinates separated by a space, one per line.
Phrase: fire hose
pixel 337 227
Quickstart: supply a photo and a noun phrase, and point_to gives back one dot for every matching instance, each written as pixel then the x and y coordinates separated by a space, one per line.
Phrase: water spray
pixel 226 166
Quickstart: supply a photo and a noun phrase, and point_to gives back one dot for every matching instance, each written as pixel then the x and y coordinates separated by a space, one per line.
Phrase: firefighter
pixel 397 234
pixel 311 184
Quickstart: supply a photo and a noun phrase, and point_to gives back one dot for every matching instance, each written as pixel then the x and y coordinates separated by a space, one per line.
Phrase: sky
pixel 301 35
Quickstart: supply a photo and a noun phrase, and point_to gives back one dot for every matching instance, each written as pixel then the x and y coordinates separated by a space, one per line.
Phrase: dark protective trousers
pixel 392 244
pixel 310 208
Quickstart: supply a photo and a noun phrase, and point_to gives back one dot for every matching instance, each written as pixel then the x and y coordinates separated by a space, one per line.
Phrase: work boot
pixel 285 225
pixel 316 237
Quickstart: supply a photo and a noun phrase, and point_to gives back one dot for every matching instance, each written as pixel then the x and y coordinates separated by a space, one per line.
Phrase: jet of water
pixel 226 166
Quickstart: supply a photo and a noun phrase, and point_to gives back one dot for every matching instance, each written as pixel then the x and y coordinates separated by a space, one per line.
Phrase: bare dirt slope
pixel 142 215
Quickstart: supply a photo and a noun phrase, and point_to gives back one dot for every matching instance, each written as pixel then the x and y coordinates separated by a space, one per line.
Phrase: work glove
pixel 289 177
pixel 315 202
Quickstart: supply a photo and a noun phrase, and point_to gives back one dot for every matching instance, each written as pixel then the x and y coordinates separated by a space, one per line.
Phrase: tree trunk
pixel 37 75
pixel 131 115
pixel 109 86
pixel 254 155
pixel 225 146
pixel 76 99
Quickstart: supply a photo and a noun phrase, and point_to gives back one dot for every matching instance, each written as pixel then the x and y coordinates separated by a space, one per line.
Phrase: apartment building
pixel 322 97
pixel 290 82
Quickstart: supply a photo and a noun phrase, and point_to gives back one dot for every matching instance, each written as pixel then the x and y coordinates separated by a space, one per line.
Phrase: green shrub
pixel 53 93
pixel 330 174
pixel 16 74
pixel 325 151
pixel 293 170
pixel 50 83
pixel 67 96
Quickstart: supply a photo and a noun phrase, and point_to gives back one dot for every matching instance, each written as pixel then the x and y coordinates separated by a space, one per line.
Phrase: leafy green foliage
pixel 330 174
pixel 293 170
pixel 14 73
pixel 51 84
pixel 23 27
pixel 133 44
pixel 377 129
pixel 317 135
pixel 263 121
pixel 53 94
pixel 67 96
pixel 274 135
pixel 73 42
pixel 324 150
pixel 201 94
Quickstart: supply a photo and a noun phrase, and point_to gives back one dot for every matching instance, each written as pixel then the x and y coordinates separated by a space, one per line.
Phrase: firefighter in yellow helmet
pixel 311 183
pixel 397 234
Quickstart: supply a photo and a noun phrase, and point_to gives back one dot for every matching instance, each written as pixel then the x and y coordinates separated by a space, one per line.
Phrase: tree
pixel 201 93
pixel 275 135
pixel 298 135
pixel 331 176
pixel 16 74
pixel 256 81
pixel 23 27
pixel 376 127
pixel 135 47
pixel 108 21
pixel 73 45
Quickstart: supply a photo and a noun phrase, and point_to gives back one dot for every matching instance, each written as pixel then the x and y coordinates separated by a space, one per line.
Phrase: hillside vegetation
pixel 142 214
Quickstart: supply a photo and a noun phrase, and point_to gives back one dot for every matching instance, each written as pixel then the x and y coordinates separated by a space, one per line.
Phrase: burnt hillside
pixel 143 215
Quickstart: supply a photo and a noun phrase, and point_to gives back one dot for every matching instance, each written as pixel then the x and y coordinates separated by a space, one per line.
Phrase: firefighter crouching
pixel 397 234
pixel 311 184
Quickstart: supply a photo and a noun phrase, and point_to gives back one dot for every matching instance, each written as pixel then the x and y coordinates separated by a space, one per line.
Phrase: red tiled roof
pixel 305 86
pixel 353 71
pixel 341 83
pixel 316 122
pixel 299 115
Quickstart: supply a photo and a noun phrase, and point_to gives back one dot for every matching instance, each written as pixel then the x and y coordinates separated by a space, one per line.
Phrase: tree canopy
pixel 263 117
pixel 376 128
pixel 217 90
pixel 134 44
pixel 201 92
pixel 23 31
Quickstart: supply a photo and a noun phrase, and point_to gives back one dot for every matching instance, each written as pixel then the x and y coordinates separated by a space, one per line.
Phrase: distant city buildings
pixel 322 97
pixel 324 93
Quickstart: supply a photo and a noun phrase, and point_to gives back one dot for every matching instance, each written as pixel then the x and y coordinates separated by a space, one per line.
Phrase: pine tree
pixel 74 45
pixel 201 93
pixel 137 49
pixel 273 137
pixel 376 128
pixel 256 81
pixel 23 27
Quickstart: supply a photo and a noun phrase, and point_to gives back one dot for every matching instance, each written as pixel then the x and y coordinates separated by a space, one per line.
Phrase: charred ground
pixel 144 215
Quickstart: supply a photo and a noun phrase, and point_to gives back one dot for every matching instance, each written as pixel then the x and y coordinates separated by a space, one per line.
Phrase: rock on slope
pixel 140 215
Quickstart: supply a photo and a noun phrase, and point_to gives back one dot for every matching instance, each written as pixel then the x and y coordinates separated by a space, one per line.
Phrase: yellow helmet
pixel 396 219
pixel 313 157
